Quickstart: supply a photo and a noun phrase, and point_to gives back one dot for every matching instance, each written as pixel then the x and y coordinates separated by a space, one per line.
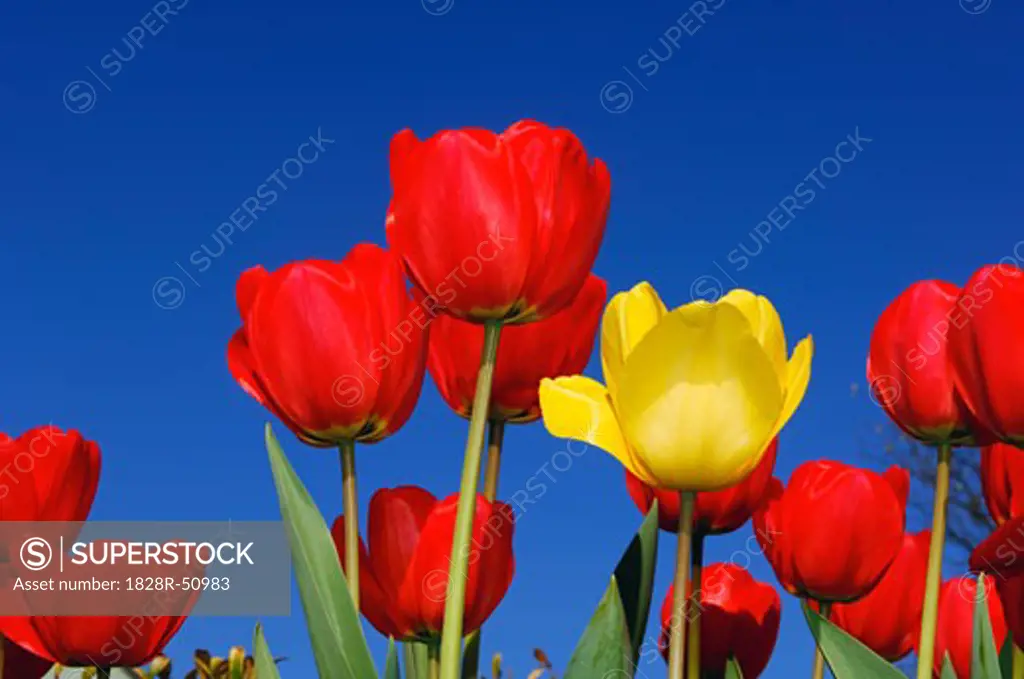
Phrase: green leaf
pixel 848 658
pixel 335 633
pixel 947 669
pixel 391 666
pixel 984 657
pixel 266 666
pixel 635 575
pixel 732 669
pixel 471 657
pixel 604 650
pixel 1006 658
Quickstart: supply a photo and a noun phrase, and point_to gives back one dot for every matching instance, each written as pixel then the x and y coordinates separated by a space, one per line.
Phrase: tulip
pixel 1002 481
pixel 559 345
pixel 739 618
pixel 694 397
pixel 909 370
pixel 833 531
pixel 497 227
pixel 984 347
pixel 405 569
pixel 955 630
pixel 50 475
pixel 93 641
pixel 888 619
pixel 715 512
pixel 337 350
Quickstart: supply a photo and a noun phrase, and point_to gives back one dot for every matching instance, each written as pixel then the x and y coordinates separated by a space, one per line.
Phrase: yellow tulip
pixel 694 395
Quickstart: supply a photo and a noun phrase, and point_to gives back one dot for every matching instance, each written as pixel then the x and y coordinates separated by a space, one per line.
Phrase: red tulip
pixel 20 664
pixel 833 531
pixel 739 617
pixel 986 352
pixel 888 619
pixel 716 512
pixel 1002 481
pixel 93 640
pixel 47 474
pixel 954 632
pixel 909 369
pixel 403 577
pixel 1002 552
pixel 559 345
pixel 337 350
pixel 497 226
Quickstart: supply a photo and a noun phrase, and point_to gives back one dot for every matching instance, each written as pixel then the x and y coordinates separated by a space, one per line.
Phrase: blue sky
pixel 119 166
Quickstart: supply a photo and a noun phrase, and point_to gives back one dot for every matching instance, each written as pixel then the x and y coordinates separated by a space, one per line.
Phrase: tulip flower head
pixel 1002 481
pixel 559 345
pixel 739 617
pixel 93 641
pixel 403 576
pixel 56 473
pixel 715 512
pixel 833 531
pixel 337 350
pixel 497 226
pixel 888 619
pixel 694 396
pixel 986 352
pixel 909 368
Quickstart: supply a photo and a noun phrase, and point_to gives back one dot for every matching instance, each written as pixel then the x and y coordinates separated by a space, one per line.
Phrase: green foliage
pixel 604 650
pixel 847 657
pixel 335 632
pixel 635 576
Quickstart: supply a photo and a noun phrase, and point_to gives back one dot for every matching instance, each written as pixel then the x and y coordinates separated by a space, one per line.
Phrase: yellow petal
pixel 629 316
pixel 579 408
pixel 699 399
pixel 798 374
pixel 764 323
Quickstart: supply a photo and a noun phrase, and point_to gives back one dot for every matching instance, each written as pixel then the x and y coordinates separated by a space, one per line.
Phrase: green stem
pixel 351 509
pixel 824 609
pixel 455 603
pixel 1018 662
pixel 677 638
pixel 926 649
pixel 434 660
pixel 693 629
pixel 409 661
pixel 102 673
pixel 495 437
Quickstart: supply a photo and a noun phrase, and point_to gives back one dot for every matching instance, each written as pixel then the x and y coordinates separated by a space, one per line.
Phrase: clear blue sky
pixel 99 206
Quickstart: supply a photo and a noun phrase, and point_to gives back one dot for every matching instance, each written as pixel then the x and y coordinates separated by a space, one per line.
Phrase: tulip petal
pixel 629 316
pixel 764 323
pixel 579 408
pixel 798 375
pixel 699 398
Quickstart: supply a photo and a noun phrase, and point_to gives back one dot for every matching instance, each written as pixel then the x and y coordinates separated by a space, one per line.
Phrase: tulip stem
pixel 677 640
pixel 455 603
pixel 926 649
pixel 351 508
pixel 824 609
pixel 1018 662
pixel 495 437
pixel 434 660
pixel 693 629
